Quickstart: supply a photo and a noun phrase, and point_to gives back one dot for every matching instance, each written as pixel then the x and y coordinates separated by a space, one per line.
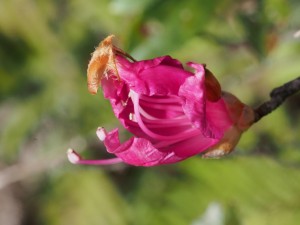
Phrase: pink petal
pixel 135 151
pixel 160 76
pixel 193 95
pixel 217 116
pixel 192 146
pixel 211 117
pixel 142 153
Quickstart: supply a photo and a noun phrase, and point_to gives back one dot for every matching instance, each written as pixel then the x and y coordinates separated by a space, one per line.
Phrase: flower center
pixel 162 118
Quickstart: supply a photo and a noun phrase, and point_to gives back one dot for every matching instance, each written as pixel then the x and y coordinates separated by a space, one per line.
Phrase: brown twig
pixel 278 96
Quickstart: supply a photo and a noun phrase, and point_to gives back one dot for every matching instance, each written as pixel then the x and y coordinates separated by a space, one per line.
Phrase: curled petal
pixel 193 95
pixel 210 117
pixel 135 151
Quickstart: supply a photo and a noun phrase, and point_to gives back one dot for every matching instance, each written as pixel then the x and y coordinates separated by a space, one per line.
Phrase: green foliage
pixel 93 200
pixel 250 188
pixel 45 108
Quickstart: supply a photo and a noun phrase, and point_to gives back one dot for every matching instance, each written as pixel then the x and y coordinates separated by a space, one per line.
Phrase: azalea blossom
pixel 171 112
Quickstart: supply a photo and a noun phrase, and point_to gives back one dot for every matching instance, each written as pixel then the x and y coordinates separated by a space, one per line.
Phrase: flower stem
pixel 278 96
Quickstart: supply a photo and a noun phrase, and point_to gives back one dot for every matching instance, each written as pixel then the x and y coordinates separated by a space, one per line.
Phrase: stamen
pixel 75 158
pixel 131 117
pixel 101 133
pixel 177 108
pixel 165 99
pixel 179 120
pixel 152 119
pixel 147 115
pixel 119 51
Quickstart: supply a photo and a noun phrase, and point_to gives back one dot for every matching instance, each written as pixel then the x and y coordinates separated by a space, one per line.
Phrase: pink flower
pixel 172 113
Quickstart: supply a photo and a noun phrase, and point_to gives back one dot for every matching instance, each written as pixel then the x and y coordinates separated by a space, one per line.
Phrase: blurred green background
pixel 45 108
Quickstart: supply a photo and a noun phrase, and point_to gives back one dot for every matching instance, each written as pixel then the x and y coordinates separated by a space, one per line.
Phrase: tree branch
pixel 278 96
